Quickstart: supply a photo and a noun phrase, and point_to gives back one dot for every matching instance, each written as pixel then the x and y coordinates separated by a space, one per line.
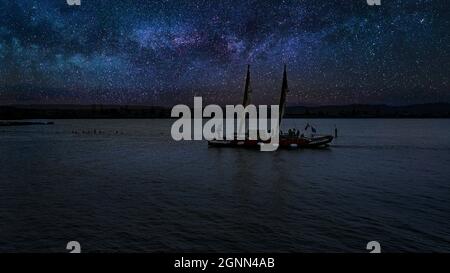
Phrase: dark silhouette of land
pixel 19 112
pixel 431 110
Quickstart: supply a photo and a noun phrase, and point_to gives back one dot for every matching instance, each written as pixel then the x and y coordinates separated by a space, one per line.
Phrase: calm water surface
pixel 133 189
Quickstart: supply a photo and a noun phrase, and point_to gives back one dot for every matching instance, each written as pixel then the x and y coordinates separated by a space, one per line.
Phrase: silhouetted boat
pixel 289 140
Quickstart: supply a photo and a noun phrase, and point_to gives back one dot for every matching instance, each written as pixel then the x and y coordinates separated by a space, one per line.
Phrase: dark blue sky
pixel 164 52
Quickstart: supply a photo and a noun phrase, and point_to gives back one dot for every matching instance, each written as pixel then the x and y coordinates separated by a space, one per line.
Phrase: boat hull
pixel 285 142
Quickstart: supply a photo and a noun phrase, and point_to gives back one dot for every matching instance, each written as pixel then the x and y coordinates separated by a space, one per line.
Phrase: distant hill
pixel 432 110
pixel 17 112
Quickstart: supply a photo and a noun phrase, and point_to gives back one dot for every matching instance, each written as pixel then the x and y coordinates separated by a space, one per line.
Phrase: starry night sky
pixel 163 52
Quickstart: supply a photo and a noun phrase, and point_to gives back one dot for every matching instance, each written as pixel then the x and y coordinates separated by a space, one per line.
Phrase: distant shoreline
pixel 357 111
pixel 22 123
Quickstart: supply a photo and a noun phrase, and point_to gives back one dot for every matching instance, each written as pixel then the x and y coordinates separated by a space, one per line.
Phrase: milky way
pixel 165 52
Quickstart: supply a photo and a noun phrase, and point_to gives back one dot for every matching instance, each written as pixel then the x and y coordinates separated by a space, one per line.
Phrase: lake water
pixel 133 189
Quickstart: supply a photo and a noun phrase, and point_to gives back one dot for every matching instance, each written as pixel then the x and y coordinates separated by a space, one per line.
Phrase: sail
pixel 248 89
pixel 284 91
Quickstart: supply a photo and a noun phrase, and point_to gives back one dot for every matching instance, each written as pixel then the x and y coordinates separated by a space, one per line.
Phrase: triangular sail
pixel 284 91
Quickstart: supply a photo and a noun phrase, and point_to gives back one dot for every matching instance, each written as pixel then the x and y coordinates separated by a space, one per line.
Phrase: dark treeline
pixel 432 110
pixel 18 112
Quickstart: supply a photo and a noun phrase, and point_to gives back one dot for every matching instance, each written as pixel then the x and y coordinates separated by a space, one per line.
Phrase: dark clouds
pixel 163 52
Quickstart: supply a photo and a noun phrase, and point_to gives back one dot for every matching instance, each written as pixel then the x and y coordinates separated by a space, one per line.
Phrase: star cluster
pixel 163 52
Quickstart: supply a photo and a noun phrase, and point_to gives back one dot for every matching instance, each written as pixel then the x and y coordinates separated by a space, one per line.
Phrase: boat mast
pixel 247 90
pixel 284 91
pixel 246 101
